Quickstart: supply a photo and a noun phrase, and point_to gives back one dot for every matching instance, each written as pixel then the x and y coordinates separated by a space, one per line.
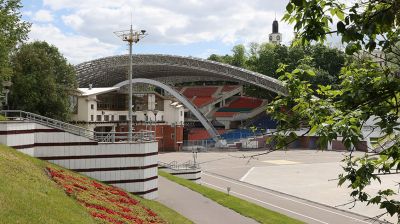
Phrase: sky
pixel 83 30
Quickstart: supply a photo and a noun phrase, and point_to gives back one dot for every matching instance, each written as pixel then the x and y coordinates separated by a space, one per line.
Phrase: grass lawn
pixel 241 206
pixel 28 195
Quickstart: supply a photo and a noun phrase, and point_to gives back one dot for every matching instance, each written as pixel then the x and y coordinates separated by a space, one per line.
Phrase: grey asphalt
pixel 304 210
pixel 196 207
pixel 300 178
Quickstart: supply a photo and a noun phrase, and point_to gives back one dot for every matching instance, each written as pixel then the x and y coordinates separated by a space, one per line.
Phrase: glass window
pixel 106 118
pixel 92 106
pixel 98 117
pixel 122 117
pixel 91 118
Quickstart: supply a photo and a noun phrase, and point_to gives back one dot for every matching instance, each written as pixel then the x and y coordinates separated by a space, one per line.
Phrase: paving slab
pixel 195 206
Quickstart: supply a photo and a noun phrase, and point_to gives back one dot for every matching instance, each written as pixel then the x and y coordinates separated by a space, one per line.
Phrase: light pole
pixel 131 36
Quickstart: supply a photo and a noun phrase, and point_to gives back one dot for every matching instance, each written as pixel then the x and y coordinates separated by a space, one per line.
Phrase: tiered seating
pixel 202 100
pixel 224 114
pixel 199 91
pixel 240 105
pixel 246 102
pixel 228 88
pixel 200 134
pixel 238 134
pixel 263 122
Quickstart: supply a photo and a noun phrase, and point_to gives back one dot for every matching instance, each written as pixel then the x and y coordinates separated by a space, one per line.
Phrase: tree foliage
pixel 265 59
pixel 366 92
pixel 42 80
pixel 12 32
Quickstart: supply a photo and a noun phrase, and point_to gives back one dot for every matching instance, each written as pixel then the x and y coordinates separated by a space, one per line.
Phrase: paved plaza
pixel 307 174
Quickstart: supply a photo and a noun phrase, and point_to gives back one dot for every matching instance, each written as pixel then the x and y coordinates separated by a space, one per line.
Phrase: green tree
pixel 12 32
pixel 239 57
pixel 366 92
pixel 42 80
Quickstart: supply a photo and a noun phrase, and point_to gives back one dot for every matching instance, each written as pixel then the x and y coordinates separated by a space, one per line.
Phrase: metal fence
pixel 174 165
pixel 19 115
pixel 199 145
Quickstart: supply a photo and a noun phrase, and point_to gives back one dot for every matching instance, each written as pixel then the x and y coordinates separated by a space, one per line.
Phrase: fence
pixel 199 145
pixel 19 115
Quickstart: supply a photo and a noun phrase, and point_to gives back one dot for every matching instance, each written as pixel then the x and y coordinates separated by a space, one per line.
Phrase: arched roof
pixel 108 71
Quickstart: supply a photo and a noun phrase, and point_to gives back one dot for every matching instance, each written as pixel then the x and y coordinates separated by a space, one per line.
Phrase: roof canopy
pixel 168 69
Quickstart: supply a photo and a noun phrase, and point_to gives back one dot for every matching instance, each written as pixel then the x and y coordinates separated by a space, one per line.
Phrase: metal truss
pixel 204 121
pixel 105 72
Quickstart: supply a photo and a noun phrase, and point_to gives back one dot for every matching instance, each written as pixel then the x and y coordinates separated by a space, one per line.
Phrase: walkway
pixel 196 207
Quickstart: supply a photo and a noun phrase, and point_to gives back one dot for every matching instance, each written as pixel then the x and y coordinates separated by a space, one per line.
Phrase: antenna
pixel 275 15
pixel 131 17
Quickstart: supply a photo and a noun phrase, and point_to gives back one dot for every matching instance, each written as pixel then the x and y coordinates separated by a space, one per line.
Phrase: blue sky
pixel 83 30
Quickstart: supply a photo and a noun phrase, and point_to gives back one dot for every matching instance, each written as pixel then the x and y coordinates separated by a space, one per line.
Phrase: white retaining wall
pixel 132 167
pixel 188 174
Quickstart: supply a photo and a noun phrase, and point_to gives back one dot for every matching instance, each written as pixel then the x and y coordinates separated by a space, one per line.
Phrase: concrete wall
pixel 188 174
pixel 132 167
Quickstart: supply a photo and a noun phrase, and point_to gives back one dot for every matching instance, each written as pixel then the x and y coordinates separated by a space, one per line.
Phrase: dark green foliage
pixel 12 32
pixel 42 80
pixel 265 59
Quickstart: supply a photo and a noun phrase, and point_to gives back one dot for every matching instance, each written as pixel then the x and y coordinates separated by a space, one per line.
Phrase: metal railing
pixel 19 115
pixel 200 145
pixel 174 165
pixel 112 137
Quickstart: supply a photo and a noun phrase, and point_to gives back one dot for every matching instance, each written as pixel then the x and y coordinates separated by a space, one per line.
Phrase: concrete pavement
pixel 196 207
pixel 307 211
pixel 306 174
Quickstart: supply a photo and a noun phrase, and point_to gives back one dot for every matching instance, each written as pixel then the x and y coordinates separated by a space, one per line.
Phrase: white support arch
pixel 204 121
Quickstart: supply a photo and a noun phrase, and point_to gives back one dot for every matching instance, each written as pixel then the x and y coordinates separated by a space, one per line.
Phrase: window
pixel 112 117
pixel 172 136
pixel 91 117
pixel 98 117
pixel 122 117
pixel 92 106
pixel 106 118
pixel 162 117
pixel 181 113
pixel 73 104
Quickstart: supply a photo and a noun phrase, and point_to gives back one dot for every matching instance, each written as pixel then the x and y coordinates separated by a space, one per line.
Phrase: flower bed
pixel 107 204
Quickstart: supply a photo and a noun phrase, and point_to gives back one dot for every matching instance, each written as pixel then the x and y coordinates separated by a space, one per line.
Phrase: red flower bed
pixel 105 203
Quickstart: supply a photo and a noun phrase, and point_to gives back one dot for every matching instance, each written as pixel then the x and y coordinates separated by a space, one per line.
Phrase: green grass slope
pixel 28 195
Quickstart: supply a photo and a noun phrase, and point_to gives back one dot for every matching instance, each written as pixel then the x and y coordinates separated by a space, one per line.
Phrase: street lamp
pixel 131 36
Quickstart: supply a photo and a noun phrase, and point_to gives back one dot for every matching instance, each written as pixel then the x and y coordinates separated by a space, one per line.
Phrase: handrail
pixel 189 165
pixel 74 129
pixel 77 130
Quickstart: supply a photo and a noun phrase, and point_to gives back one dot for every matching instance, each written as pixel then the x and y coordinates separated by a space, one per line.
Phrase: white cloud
pixel 43 16
pixel 180 22
pixel 172 23
pixel 74 47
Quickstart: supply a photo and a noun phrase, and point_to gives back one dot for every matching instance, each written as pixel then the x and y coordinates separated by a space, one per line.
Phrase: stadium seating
pixel 199 91
pixel 246 102
pixel 240 105
pixel 202 100
pixel 228 88
pixel 201 134
pixel 263 122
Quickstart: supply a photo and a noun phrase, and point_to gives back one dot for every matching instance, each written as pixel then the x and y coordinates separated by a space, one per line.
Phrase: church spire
pixel 275 37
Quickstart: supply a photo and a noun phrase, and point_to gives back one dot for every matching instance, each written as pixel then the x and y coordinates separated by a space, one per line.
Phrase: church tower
pixel 275 37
